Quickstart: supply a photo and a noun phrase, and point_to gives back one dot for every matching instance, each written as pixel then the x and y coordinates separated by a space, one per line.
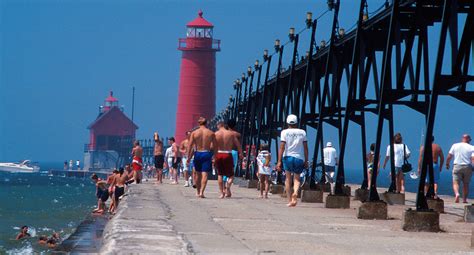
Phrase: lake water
pixel 46 204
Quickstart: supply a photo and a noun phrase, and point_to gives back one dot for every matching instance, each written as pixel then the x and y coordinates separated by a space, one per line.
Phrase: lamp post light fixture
pixel 322 44
pixel 341 32
pixel 277 45
pixel 257 65
pixel 265 55
pixel 309 19
pixel 307 54
pixel 365 16
pixel 243 78
pixel 331 4
pixel 291 35
pixel 249 70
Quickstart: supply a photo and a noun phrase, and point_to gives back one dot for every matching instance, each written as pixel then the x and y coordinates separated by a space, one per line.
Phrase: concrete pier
pixel 170 219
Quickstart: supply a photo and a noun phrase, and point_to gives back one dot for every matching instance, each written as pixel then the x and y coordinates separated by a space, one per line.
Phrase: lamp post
pixel 268 60
pixel 289 102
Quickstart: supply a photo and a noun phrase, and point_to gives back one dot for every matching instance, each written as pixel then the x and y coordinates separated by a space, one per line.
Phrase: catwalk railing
pixel 311 86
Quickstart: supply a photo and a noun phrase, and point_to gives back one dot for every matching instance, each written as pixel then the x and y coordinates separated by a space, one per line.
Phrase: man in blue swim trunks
pixel 205 144
pixel 294 155
pixel 235 154
pixel 438 160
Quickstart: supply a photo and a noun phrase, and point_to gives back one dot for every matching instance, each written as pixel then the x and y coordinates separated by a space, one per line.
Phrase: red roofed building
pixel 111 137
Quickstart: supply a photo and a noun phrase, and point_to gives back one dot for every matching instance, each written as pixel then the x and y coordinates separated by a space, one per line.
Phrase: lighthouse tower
pixel 197 81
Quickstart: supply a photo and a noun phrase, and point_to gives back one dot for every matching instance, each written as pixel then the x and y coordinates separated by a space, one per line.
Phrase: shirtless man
pixel 176 160
pixel 235 156
pixel 119 183
pixel 23 233
pixel 438 160
pixel 226 141
pixel 206 147
pixel 159 158
pixel 183 147
pixel 137 163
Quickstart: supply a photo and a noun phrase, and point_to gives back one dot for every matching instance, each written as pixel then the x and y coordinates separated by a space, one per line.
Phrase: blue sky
pixel 59 59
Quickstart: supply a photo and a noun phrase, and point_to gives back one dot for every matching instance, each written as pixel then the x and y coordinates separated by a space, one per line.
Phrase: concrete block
pixel 251 184
pixel 469 213
pixel 337 201
pixel 347 190
pixel 326 187
pixel 393 198
pixel 361 195
pixel 277 189
pixel 417 221
pixel 472 238
pixel 436 204
pixel 376 210
pixel 312 196
pixel 305 186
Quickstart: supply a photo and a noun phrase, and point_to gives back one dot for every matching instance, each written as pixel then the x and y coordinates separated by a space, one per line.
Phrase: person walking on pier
pixel 438 160
pixel 159 159
pixel 226 141
pixel 137 162
pixel 264 159
pixel 463 154
pixel 206 147
pixel 330 163
pixel 176 160
pixel 292 156
pixel 183 147
pixel 235 154
pixel 401 153
pixel 370 164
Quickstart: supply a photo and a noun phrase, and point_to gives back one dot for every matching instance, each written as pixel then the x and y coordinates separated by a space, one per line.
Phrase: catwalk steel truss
pixel 311 86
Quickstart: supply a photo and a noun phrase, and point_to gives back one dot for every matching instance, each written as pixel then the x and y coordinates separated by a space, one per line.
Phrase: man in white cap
pixel 463 154
pixel 294 156
pixel 330 163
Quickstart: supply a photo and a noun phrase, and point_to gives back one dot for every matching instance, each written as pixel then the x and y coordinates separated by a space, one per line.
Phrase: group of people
pixel 204 150
pixel 198 153
pixel 50 242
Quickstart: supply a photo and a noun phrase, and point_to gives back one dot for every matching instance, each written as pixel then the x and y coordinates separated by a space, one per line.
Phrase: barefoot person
pixel 235 154
pixel 158 158
pixel 183 147
pixel 463 154
pixel 175 160
pixel 294 155
pixel 226 141
pixel 401 153
pixel 438 160
pixel 102 194
pixel 206 146
pixel 264 158
pixel 137 163
pixel 119 183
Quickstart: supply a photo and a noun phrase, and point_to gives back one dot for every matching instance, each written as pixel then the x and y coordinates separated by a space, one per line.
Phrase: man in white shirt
pixel 294 155
pixel 330 163
pixel 401 152
pixel 463 154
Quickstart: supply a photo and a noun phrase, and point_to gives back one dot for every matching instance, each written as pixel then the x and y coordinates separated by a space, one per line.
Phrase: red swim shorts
pixel 225 164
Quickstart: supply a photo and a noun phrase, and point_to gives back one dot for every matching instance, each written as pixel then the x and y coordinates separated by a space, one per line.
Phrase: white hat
pixel 291 119
pixel 328 144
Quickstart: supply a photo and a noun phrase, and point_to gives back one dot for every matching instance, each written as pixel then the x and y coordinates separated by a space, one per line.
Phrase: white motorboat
pixel 22 167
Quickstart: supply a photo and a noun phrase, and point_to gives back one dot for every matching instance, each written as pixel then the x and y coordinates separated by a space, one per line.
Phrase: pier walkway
pixel 170 219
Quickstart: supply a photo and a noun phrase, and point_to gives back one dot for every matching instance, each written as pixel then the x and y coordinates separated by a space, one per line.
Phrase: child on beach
pixel 264 170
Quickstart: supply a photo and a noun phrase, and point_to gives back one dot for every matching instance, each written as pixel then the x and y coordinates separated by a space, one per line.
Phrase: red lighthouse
pixel 197 81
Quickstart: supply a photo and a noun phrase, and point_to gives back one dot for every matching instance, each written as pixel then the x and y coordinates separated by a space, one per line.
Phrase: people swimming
pixel 23 233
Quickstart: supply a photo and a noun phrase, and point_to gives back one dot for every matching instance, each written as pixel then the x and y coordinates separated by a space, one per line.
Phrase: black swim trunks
pixel 102 194
pixel 159 161
pixel 176 163
pixel 119 191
